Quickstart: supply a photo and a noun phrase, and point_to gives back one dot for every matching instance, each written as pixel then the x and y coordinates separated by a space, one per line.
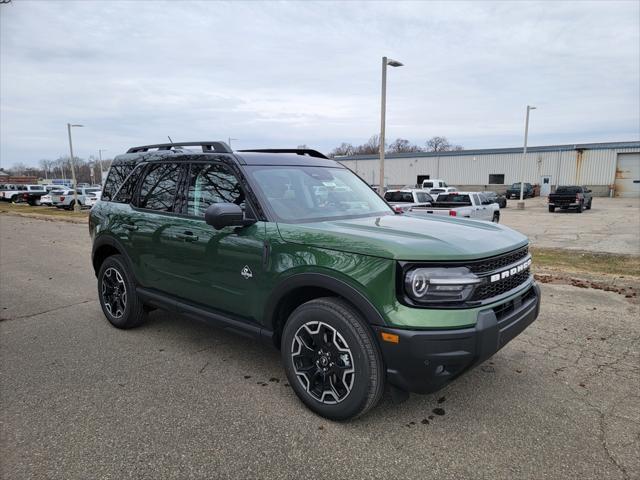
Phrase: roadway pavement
pixel 174 398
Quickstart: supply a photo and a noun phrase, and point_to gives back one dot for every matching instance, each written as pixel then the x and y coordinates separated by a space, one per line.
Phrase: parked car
pixel 496 198
pixel 11 192
pixel 403 200
pixel 293 248
pixel 462 204
pixel 570 196
pixel 46 199
pixel 514 191
pixel 87 197
pixel 433 183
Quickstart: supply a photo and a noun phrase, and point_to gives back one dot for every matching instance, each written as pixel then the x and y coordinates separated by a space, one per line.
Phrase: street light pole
pixel 100 150
pixel 76 205
pixel 524 157
pixel 383 113
pixel 232 139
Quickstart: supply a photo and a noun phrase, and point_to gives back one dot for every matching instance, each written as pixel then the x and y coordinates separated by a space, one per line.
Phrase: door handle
pixel 186 236
pixel 128 226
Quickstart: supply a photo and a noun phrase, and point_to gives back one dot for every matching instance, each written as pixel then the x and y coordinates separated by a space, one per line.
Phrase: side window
pixel 125 194
pixel 211 183
pixel 158 190
pixel 117 174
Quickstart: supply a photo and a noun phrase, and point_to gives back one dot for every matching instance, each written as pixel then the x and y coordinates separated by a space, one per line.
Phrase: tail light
pixel 453 213
pixel 62 199
pixel 397 209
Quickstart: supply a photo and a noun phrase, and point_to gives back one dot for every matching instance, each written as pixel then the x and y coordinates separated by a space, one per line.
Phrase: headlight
pixel 440 285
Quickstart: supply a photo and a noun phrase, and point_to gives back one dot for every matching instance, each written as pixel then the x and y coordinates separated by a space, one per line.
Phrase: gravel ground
pixel 612 225
pixel 179 399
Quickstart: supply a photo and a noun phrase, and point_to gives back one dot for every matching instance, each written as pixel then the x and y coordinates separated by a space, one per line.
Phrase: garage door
pixel 628 175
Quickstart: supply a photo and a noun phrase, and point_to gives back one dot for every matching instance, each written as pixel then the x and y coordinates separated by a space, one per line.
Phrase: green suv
pixel 292 248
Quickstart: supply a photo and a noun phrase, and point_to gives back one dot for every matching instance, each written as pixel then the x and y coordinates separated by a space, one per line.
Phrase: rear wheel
pixel 117 294
pixel 332 360
pixel 496 217
pixel 589 205
pixel 552 209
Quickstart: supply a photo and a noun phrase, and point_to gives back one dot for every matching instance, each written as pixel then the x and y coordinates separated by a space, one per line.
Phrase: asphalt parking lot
pixel 179 399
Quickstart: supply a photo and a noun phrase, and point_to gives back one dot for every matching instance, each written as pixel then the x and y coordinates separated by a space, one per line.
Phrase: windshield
pixel 91 190
pixel 398 197
pixel 300 194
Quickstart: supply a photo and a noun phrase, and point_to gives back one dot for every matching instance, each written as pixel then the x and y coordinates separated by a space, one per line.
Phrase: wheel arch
pixel 104 247
pixel 303 287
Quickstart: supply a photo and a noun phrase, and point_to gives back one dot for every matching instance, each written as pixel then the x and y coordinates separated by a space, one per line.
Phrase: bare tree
pixel 402 145
pixel 370 147
pixel 18 169
pixel 441 144
pixel 343 150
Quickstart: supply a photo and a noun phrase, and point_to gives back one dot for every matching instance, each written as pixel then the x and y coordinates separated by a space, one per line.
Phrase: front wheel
pixel 117 294
pixel 580 207
pixel 332 360
pixel 496 217
pixel 589 205
pixel 552 209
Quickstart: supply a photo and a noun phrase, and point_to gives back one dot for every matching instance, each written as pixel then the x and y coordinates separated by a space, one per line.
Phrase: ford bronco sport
pixel 292 248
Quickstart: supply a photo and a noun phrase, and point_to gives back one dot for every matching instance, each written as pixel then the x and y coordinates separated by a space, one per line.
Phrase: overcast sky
pixel 283 74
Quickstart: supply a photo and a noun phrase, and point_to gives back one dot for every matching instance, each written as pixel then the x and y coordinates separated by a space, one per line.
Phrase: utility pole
pixel 383 113
pixel 76 205
pixel 524 157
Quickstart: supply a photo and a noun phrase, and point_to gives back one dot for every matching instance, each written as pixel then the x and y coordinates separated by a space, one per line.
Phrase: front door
pixel 545 185
pixel 219 269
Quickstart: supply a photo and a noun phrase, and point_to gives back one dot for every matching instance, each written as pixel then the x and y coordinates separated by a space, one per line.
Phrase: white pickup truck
pixel 473 205
pixel 406 198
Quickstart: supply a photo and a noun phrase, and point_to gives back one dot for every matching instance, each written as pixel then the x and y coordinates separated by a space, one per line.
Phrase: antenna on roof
pixel 170 141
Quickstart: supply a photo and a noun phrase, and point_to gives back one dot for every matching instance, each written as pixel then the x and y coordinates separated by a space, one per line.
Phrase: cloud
pixel 283 74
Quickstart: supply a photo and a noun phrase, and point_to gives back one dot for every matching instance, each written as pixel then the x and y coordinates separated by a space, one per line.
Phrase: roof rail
pixel 298 151
pixel 217 147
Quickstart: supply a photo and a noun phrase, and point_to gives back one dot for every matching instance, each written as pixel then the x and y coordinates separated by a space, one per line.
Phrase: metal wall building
pixel 608 168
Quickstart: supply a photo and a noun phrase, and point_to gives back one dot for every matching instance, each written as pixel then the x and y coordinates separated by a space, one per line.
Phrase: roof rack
pixel 298 151
pixel 217 147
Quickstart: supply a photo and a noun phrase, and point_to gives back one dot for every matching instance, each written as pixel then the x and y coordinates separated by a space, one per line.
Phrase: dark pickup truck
pixel 571 196
pixel 514 191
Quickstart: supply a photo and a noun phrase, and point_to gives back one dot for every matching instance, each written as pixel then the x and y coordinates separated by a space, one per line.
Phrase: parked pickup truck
pixel 462 204
pixel 22 193
pixel 570 196
pixel 403 200
pixel 514 191
pixel 32 194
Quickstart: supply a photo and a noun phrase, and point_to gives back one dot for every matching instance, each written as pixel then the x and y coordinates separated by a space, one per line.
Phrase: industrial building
pixel 609 169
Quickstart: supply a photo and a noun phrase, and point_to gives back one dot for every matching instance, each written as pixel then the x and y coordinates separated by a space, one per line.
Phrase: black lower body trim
pixel 198 312
pixel 424 361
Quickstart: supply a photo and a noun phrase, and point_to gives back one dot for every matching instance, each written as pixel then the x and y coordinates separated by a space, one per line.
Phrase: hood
pixel 407 237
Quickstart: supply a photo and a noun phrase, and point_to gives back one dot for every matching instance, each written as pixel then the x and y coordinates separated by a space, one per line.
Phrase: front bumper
pixel 424 361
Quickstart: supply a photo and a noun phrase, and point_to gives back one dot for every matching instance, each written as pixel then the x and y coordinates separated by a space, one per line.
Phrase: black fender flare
pixel 108 240
pixel 324 281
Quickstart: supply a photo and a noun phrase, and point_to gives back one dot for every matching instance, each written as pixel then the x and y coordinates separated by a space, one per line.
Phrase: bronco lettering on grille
pixel 510 271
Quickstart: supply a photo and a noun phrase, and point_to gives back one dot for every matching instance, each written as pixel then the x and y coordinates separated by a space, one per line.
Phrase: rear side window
pixel 424 197
pixel 158 189
pixel 126 192
pixel 211 183
pixel 117 175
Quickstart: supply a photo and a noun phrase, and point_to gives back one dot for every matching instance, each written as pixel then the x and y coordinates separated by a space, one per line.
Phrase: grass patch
pixel 24 210
pixel 582 261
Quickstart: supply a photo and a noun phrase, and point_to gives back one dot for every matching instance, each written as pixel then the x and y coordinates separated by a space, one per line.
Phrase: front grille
pixel 495 263
pixel 502 286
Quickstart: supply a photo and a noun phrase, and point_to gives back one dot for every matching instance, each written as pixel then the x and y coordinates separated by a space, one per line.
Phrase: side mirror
pixel 220 215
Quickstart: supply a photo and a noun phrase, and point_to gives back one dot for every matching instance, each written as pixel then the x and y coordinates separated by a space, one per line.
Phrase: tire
pixel 580 207
pixel 496 217
pixel 508 197
pixel 589 206
pixel 122 311
pixel 14 198
pixel 349 348
pixel 552 209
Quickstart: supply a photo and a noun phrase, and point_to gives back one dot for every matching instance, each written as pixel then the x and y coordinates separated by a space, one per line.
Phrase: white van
pixel 433 183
